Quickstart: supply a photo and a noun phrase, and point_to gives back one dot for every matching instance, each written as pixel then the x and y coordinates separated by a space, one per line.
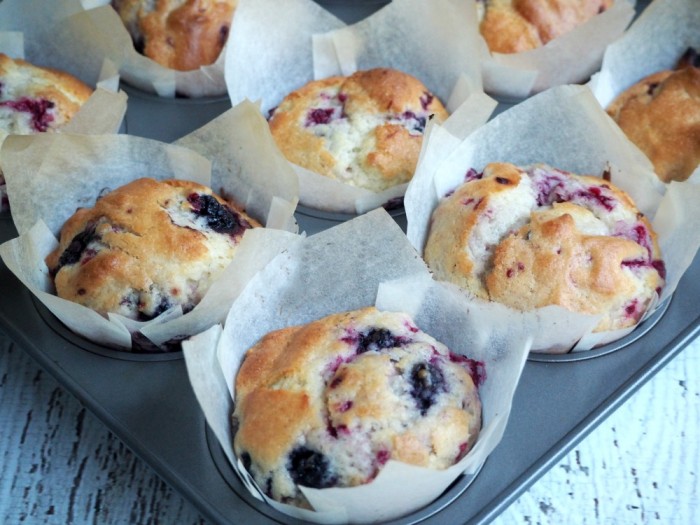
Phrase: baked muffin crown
pixel 36 99
pixel 364 130
pixel 513 26
pixel 328 403
pixel 146 247
pixel 537 236
pixel 178 34
pixel 661 115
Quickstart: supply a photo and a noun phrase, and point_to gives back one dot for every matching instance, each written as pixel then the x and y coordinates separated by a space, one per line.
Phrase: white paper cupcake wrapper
pixel 362 262
pixel 564 127
pixel 50 175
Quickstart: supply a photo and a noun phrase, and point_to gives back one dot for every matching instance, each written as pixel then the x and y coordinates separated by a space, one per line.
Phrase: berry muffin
pixel 146 247
pixel 512 26
pixel 35 99
pixel 178 34
pixel 364 130
pixel 327 404
pixel 537 236
pixel 661 115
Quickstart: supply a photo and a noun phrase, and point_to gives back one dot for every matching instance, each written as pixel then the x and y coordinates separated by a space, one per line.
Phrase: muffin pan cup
pixel 151 407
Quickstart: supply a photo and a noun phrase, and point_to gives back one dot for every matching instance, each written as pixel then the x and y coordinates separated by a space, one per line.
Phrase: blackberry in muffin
pixel 146 247
pixel 327 404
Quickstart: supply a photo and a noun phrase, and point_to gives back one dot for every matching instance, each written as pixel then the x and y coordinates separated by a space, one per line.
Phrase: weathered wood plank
pixel 60 465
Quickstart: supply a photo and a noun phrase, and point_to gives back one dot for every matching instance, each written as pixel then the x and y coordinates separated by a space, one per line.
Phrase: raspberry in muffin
pixel 146 247
pixel 327 404
pixel 512 26
pixel 178 34
pixel 35 99
pixel 661 115
pixel 365 130
pixel 538 236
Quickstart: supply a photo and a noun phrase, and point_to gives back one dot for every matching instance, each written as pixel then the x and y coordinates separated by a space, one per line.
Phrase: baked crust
pixel 146 247
pixel 512 26
pixel 36 99
pixel 537 236
pixel 365 130
pixel 661 115
pixel 328 403
pixel 178 34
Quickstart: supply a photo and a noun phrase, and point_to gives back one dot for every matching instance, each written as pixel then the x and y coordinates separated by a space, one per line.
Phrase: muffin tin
pixel 146 400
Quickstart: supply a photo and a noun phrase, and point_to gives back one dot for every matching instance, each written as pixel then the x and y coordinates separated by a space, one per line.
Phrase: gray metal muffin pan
pixel 146 400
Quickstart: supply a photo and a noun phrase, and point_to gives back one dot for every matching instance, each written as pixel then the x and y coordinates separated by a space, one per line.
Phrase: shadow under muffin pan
pixel 229 474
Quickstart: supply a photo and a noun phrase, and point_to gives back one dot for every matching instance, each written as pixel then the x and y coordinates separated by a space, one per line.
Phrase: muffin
pixel 512 26
pixel 35 99
pixel 537 236
pixel 146 247
pixel 178 34
pixel 661 115
pixel 327 404
pixel 364 130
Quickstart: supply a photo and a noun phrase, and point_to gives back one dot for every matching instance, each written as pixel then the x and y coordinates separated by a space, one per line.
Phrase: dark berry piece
pixel 691 58
pixel 426 100
pixel 377 339
pixel 660 267
pixel 472 174
pixel 223 34
pixel 246 460
pixel 37 108
pixel 310 468
pixel 319 116
pixel 476 369
pixel 220 218
pixel 77 246
pixel 427 381
pixel 417 124
pixel 393 203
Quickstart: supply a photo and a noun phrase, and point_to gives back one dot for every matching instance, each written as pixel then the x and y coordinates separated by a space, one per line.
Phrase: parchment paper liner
pixel 50 175
pixel 564 127
pixel 428 41
pixel 364 261
pixel 568 59
pixel 654 42
pixel 102 113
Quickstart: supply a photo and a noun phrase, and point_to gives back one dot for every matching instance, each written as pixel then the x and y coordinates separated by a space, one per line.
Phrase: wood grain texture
pixel 61 465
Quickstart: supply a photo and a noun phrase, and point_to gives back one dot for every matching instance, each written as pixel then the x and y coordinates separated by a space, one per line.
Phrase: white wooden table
pixel 61 466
